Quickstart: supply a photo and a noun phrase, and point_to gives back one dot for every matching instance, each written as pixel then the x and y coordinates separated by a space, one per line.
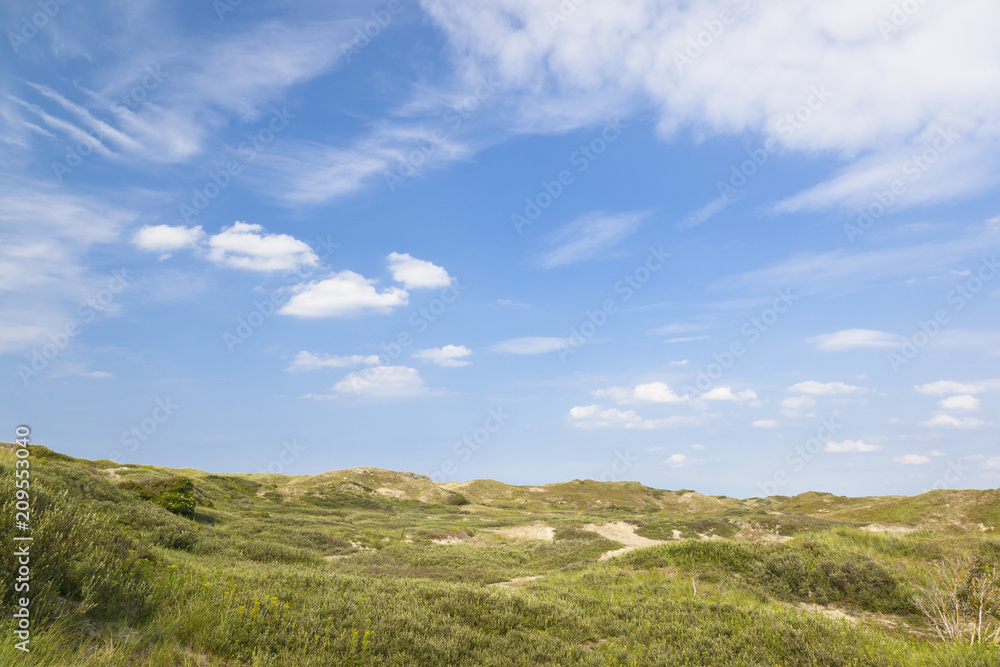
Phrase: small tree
pixel 961 600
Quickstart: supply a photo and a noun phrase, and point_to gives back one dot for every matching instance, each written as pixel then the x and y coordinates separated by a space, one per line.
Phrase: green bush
pixel 456 499
pixel 177 503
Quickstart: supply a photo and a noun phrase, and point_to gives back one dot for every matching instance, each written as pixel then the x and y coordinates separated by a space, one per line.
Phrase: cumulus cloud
pixel 853 339
pixel 588 237
pixel 766 423
pixel 308 361
pixel 449 356
pixel 961 402
pixel 343 294
pixel 594 416
pixel 912 459
pixel 814 388
pixel 246 246
pixel 794 405
pixel 416 273
pixel 166 238
pixel 533 345
pixel 682 461
pixel 383 382
pixel 992 463
pixel 650 392
pixel 849 446
pixel 947 421
pixel 726 394
pixel 946 387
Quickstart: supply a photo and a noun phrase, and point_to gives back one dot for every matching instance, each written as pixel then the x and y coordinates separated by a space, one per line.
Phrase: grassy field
pixel 139 565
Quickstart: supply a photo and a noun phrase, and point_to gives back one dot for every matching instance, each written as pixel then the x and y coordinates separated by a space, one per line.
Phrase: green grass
pixel 259 576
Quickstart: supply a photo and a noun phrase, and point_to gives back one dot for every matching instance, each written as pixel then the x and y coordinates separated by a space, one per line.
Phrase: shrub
pixel 456 499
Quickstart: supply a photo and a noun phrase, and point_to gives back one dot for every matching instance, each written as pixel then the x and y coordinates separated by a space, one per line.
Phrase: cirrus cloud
pixel 853 339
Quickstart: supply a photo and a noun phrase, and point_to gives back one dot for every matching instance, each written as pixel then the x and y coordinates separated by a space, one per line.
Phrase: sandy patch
pixel 889 529
pixel 623 533
pixel 829 612
pixel 113 472
pixel 515 583
pixel 608 555
pixel 451 539
pixel 532 531
pixel 390 493
pixel 677 534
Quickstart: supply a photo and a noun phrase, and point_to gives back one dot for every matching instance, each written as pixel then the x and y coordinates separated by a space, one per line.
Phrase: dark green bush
pixel 456 499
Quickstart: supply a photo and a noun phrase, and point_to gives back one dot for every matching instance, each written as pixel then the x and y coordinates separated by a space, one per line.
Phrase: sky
pixel 742 248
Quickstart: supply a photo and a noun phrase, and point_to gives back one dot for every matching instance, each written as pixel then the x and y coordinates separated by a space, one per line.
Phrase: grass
pixel 261 576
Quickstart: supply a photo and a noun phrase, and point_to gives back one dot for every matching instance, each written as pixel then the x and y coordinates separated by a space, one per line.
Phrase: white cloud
pixel 510 303
pixel 766 423
pixel 246 246
pixel 849 268
pixel 682 362
pixel 312 173
pixel 533 345
pixel 852 339
pixel 650 392
pixel 794 405
pixel 343 294
pixel 668 329
pixel 699 448
pixel 849 446
pixel 416 273
pixel 936 452
pixel 814 388
pixel 877 99
pixel 79 370
pixel 947 421
pixel 993 463
pixel 588 237
pixel 945 387
pixel 308 361
pixel 383 382
pixel 44 269
pixel 685 339
pixel 682 461
pixel 912 459
pixel 594 416
pixel 961 402
pixel 166 239
pixel 726 394
pixel 449 356
pixel 212 81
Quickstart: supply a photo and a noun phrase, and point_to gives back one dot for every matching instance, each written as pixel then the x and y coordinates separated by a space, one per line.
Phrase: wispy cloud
pixel 449 356
pixel 533 345
pixel 854 339
pixel 590 236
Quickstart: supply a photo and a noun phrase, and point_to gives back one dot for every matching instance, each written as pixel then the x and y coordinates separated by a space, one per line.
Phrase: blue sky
pixel 725 246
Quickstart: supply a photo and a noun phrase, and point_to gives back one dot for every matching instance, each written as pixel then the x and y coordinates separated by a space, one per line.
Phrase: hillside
pixel 146 565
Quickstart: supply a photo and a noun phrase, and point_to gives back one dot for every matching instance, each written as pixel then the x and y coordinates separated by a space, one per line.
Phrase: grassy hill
pixel 145 565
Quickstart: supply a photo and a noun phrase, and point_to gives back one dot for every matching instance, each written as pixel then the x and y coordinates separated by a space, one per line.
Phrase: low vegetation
pixel 147 566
